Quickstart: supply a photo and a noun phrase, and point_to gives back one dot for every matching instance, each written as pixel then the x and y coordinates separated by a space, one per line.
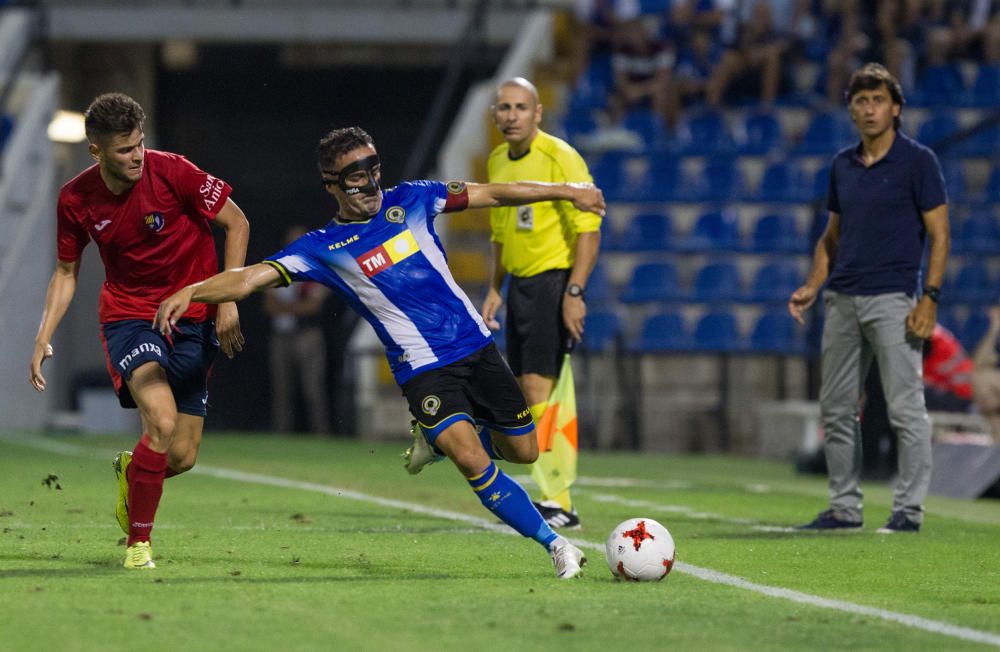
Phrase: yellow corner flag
pixel 555 469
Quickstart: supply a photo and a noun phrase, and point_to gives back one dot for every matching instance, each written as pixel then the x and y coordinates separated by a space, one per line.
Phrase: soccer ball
pixel 641 550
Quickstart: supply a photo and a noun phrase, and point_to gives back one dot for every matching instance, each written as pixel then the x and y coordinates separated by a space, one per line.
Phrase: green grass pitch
pixel 286 543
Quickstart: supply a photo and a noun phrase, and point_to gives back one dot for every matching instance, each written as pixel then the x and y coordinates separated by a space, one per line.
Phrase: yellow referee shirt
pixel 542 236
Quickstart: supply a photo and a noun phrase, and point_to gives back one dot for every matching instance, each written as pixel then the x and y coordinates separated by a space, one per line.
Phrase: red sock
pixel 146 473
pixel 170 473
pixel 145 440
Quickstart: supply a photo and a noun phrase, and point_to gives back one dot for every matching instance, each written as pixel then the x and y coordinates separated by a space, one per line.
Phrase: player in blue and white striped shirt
pixel 381 253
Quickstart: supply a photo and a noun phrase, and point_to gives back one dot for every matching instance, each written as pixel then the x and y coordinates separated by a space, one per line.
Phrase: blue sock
pixel 502 495
pixel 486 439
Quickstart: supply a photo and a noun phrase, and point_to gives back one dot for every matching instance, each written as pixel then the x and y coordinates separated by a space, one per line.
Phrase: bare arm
pixel 230 285
pixel 585 196
pixel 493 300
pixel 823 257
pixel 62 287
pixel 574 309
pixel 922 318
pixel 227 323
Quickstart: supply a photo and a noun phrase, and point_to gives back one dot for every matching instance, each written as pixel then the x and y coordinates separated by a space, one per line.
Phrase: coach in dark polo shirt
pixel 886 197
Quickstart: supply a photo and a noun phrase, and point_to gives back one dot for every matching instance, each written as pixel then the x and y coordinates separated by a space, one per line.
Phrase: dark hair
pixel 871 76
pixel 111 114
pixel 339 142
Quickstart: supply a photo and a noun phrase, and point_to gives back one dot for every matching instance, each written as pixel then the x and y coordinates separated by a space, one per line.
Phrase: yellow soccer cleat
pixel 122 460
pixel 139 555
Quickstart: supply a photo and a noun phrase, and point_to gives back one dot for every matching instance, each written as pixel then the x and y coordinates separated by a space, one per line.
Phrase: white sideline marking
pixel 707 574
pixel 686 511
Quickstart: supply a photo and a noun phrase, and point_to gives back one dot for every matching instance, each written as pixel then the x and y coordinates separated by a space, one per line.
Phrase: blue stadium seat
pixel 663 332
pixel 954 179
pixel 653 282
pixel 974 328
pixel 720 181
pixel 717 282
pixel 705 134
pixel 979 233
pixel 775 282
pixel 6 128
pixel 778 233
pixel 761 134
pixel 939 86
pixel 972 284
pixel 937 129
pixel 991 194
pixel 600 330
pixel 665 180
pixel 783 182
pixel 648 232
pixel 718 331
pixel 648 124
pixel 622 176
pixel 821 184
pixel 984 143
pixel 985 91
pixel 714 231
pixel 600 291
pixel 593 85
pixel 577 122
pixel 826 134
pixel 776 332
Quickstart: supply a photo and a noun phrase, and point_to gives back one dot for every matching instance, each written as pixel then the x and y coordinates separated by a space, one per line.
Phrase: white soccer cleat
pixel 420 453
pixel 567 558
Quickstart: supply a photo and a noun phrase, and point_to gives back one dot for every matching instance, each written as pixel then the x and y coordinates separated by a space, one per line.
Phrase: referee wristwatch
pixel 933 293
pixel 574 290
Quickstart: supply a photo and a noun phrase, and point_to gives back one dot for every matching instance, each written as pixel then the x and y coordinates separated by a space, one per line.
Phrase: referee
pixel 549 249
pixel 886 196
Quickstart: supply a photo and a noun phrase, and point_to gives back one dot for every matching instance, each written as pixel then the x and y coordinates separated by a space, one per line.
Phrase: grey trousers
pixel 858 328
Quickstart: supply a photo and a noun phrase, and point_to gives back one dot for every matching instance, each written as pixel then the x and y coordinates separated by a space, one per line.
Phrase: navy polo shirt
pixel 882 229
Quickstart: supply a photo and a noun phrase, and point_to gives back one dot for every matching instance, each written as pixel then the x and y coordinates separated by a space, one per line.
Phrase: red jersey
pixel 947 367
pixel 154 238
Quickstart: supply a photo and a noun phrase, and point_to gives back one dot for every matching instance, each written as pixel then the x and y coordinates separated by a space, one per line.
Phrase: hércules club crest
pixel 154 222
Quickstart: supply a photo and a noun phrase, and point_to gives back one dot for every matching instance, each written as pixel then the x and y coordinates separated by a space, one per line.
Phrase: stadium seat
pixel 718 331
pixel 6 128
pixel 974 328
pixel 653 282
pixel 717 282
pixel 760 134
pixel 600 330
pixel 705 134
pixel 593 85
pixel 979 233
pixel 714 231
pixel 648 124
pixel 985 91
pixel 972 284
pixel 648 232
pixel 821 184
pixel 775 282
pixel 577 122
pixel 938 86
pixel 665 180
pixel 954 179
pixel 720 181
pixel 937 129
pixel 783 182
pixel 983 143
pixel 826 134
pixel 600 291
pixel 622 176
pixel 777 233
pixel 776 332
pixel 663 332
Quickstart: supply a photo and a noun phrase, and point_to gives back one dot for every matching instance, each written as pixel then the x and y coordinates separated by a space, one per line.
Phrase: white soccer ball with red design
pixel 641 550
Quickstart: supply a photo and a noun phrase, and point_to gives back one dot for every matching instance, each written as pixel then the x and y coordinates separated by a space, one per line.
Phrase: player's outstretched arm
pixel 585 196
pixel 230 285
pixel 62 287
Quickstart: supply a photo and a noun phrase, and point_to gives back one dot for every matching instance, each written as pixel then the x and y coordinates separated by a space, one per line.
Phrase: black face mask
pixel 366 165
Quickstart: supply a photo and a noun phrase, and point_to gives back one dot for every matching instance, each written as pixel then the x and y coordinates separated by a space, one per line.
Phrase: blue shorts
pixel 186 356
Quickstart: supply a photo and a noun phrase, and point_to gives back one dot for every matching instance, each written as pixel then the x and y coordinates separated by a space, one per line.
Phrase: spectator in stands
pixel 549 249
pixel 594 25
pixel 642 65
pixel 297 351
pixel 986 376
pixel 886 195
pixel 753 63
pixel 694 67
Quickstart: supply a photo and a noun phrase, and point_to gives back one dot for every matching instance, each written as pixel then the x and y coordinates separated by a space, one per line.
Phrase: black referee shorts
pixel 536 335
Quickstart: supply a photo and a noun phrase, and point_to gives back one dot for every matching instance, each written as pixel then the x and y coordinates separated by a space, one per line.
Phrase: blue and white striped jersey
pixel 393 270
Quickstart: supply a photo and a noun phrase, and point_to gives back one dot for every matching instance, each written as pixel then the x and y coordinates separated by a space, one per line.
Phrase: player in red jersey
pixel 150 214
